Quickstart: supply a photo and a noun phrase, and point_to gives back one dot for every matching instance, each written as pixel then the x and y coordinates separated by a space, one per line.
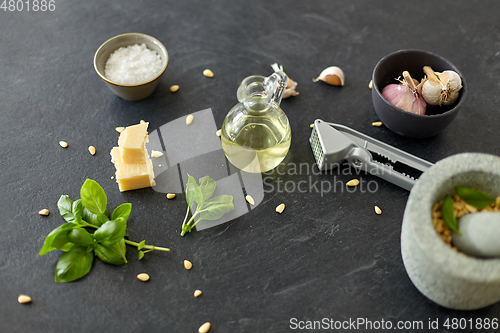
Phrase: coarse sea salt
pixel 133 64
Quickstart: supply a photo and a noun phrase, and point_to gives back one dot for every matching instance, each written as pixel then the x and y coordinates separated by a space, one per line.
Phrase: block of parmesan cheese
pixel 132 144
pixel 132 176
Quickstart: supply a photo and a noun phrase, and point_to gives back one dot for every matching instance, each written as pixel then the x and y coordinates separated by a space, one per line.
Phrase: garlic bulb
pixel 332 75
pixel 290 84
pixel 405 95
pixel 441 88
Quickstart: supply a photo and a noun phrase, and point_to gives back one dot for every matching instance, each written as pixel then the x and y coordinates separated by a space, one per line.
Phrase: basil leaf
pixel 207 186
pixel 65 205
pixel 111 232
pixel 77 210
pixel 474 197
pixel 113 254
pixel 193 193
pixel 122 211
pixel 57 239
pixel 74 264
pixel 94 219
pixel 216 207
pixel 81 237
pixel 448 213
pixel 93 197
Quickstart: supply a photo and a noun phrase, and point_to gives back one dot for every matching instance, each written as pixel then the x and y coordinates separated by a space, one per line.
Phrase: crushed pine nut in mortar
pixel 460 208
pixel 133 64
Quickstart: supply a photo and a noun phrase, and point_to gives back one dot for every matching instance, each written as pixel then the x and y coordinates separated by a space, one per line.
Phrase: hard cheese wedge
pixel 132 176
pixel 132 143
pixel 134 168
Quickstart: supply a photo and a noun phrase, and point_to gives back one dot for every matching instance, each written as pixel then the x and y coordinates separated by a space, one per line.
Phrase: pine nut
pixel 174 88
pixel 23 299
pixel 170 196
pixel 208 73
pixel 92 150
pixel 44 212
pixel 312 125
pixel 218 133
pixel 188 265
pixel 120 129
pixel 250 200
pixel 143 277
pixel 280 208
pixel 377 123
pixel 197 293
pixel 204 328
pixel 156 153
pixel 189 119
pixel 142 121
pixel 370 85
pixel 63 144
pixel 352 182
pixel 378 210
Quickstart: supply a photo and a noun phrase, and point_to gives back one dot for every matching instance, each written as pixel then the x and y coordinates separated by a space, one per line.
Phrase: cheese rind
pixel 132 176
pixel 132 144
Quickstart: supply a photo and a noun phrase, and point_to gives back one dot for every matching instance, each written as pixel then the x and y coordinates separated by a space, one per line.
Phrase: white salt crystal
pixel 132 65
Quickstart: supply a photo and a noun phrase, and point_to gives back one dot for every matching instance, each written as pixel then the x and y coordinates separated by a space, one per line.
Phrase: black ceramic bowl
pixel 406 123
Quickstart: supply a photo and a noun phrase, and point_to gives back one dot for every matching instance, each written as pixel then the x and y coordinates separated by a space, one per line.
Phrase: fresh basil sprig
pixel 200 201
pixel 107 242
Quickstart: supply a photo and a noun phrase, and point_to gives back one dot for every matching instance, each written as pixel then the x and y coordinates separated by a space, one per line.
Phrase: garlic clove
pixel 405 95
pixel 290 84
pixel 332 75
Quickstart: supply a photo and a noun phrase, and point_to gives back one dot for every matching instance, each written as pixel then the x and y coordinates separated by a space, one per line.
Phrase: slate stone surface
pixel 327 256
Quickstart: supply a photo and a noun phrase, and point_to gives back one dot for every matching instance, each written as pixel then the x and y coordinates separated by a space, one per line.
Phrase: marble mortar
pixel 447 277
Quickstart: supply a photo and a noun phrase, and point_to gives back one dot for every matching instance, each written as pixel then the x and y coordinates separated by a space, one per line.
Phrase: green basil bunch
pixel 107 242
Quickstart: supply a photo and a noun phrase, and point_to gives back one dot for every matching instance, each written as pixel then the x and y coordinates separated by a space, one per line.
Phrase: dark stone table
pixel 327 257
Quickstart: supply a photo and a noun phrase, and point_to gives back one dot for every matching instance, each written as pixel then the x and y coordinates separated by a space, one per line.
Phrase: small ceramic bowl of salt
pixel 131 64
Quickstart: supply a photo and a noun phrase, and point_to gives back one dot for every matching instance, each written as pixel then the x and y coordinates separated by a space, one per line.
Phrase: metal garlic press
pixel 333 144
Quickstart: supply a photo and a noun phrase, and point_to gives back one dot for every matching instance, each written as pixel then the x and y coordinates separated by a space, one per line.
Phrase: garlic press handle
pixel 360 158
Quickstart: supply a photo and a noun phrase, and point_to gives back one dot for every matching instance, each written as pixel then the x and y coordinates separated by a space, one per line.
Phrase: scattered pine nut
pixel 370 85
pixel 312 125
pixel 189 119
pixel 174 88
pixel 188 265
pixel 44 212
pixel 377 123
pixel 156 153
pixel 353 182
pixel 250 200
pixel 378 210
pixel 204 328
pixel 120 129
pixel 112 177
pixel 197 293
pixel 218 133
pixel 208 73
pixel 143 277
pixel 92 150
pixel 23 299
pixel 142 121
pixel 63 144
pixel 170 195
pixel 280 208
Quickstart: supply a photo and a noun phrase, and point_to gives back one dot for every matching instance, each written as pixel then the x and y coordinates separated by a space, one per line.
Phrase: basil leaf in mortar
pixel 448 214
pixel 473 197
